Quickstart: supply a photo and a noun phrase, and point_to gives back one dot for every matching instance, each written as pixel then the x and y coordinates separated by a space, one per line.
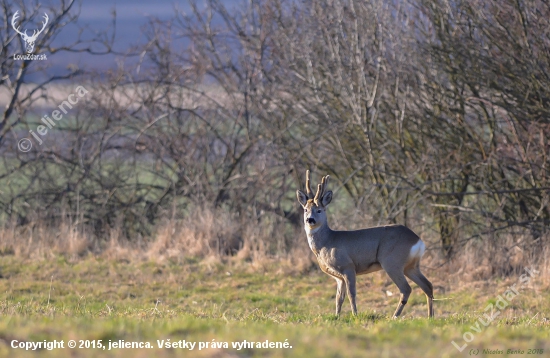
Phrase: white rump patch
pixel 417 251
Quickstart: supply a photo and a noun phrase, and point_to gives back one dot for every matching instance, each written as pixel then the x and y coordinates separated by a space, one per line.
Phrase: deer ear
pixel 327 198
pixel 302 197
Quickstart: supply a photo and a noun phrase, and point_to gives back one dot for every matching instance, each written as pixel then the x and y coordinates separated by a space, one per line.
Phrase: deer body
pixel 346 254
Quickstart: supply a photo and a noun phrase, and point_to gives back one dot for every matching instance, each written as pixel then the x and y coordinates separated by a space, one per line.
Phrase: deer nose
pixel 311 221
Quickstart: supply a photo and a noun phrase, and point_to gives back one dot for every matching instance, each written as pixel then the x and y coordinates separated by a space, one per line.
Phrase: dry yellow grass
pixel 187 282
pixel 216 236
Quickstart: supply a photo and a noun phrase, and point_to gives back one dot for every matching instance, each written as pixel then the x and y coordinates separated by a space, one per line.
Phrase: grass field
pixel 100 299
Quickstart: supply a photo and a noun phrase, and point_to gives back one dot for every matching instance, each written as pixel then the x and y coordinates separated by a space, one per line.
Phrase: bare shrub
pixel 426 115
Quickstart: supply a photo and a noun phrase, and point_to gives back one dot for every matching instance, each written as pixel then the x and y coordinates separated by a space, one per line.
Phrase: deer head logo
pixel 29 40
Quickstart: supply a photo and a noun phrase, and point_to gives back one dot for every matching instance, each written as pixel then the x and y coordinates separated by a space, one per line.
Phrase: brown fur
pixel 346 254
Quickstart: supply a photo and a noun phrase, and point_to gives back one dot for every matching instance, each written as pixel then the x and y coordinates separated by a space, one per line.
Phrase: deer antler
pixel 44 23
pixel 15 17
pixel 309 193
pixel 321 190
pixel 35 33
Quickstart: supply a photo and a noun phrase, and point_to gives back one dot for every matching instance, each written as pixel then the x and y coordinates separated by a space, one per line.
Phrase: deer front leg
pixel 349 280
pixel 340 294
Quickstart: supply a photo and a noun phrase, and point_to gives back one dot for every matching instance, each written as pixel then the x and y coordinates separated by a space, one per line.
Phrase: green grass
pixel 109 300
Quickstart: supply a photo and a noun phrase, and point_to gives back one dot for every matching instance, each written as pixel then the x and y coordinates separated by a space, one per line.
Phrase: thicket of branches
pixel 432 114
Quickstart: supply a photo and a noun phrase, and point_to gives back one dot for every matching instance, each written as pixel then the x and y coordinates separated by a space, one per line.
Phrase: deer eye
pixel 318 211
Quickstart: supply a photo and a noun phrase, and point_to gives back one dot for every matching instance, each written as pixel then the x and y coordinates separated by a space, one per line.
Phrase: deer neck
pixel 317 237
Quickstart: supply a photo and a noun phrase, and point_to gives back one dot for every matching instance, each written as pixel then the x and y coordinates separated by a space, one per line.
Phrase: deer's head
pixel 315 205
pixel 29 40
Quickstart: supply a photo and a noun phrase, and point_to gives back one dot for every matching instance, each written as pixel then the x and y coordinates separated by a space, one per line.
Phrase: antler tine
pixel 325 184
pixel 309 193
pixel 318 195
pixel 44 23
pixel 37 32
pixel 321 189
pixel 15 17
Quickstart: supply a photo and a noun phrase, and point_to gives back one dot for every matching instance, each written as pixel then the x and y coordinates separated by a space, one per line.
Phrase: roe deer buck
pixel 346 254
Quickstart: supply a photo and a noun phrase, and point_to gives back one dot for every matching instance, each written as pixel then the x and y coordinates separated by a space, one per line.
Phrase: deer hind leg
pixel 340 294
pixel 349 280
pixel 417 277
pixel 399 279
